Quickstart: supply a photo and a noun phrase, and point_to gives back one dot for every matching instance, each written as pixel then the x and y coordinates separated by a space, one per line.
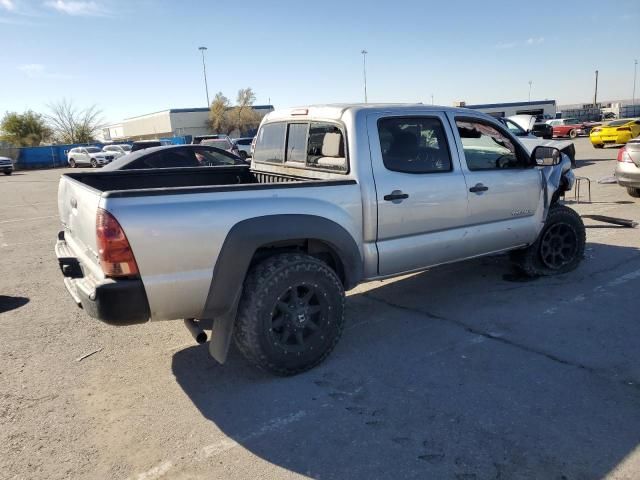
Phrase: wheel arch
pixel 255 239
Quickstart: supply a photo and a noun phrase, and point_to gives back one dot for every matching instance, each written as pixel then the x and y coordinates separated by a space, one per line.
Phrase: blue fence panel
pixel 53 156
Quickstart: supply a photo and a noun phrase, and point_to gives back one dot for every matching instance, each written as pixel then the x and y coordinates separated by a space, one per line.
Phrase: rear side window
pixel 414 145
pixel 270 143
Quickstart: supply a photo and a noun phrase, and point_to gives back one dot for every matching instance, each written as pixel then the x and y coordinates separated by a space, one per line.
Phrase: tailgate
pixel 77 206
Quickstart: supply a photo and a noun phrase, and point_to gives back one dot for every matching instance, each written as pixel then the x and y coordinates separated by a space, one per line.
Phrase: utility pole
pixel 432 99
pixel 204 72
pixel 364 72
pixel 635 72
pixel 530 83
pixel 595 95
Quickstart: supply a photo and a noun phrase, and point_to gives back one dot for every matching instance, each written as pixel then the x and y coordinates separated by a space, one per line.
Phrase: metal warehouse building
pixel 175 122
pixel 545 108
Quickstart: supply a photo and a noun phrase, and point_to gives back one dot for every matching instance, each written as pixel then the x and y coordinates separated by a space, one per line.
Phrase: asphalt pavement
pixel 464 371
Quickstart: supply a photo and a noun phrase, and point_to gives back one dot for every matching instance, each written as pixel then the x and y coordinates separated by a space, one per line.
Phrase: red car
pixel 568 127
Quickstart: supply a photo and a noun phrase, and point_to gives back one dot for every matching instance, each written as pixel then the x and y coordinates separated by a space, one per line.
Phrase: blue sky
pixel 139 56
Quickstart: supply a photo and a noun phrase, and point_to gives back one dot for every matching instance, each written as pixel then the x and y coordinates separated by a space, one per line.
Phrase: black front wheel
pixel 291 314
pixel 8 172
pixel 558 249
pixel 634 192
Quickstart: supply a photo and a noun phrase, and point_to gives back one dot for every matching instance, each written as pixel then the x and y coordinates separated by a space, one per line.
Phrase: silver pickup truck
pixel 335 195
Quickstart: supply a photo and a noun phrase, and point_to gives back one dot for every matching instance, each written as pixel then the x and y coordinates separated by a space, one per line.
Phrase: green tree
pixel 27 129
pixel 244 116
pixel 73 125
pixel 219 117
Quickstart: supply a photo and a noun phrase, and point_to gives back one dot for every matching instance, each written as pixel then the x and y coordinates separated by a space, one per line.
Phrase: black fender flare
pixel 238 249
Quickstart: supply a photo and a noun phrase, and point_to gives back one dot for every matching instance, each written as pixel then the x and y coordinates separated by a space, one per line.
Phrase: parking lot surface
pixel 464 371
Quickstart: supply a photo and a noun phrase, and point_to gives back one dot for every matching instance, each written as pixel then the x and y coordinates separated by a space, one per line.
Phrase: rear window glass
pixel 297 142
pixel 270 143
pixel 617 123
pixel 325 148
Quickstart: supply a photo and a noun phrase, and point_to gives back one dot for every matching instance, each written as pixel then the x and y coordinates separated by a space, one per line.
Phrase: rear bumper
pixel 116 302
pixel 628 174
pixel 620 139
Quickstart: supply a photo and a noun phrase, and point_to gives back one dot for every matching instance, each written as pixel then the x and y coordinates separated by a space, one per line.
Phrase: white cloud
pixel 77 8
pixel 37 70
pixel 535 40
pixel 503 46
pixel 526 43
pixel 8 5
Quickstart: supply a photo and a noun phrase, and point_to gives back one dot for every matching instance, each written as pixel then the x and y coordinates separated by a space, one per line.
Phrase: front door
pixel 420 189
pixel 506 195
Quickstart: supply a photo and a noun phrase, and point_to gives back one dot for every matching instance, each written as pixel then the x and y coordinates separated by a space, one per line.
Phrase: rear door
pixel 420 190
pixel 505 192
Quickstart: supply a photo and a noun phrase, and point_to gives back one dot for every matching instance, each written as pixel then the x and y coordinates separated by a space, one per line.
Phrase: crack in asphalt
pixel 468 328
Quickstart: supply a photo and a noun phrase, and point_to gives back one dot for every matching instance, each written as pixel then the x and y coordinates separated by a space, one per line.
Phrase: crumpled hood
pixel 530 143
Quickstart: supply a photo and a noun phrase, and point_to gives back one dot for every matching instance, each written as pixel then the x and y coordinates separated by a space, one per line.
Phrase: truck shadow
pixel 11 303
pixel 453 373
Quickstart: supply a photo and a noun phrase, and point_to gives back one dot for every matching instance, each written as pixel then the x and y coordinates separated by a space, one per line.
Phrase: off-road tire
pixel 264 288
pixel 634 192
pixel 531 260
pixel 94 163
pixel 72 163
pixel 573 134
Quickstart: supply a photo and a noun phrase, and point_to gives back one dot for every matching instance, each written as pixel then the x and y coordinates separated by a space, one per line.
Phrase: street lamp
pixel 635 72
pixel 204 72
pixel 364 72
pixel 530 83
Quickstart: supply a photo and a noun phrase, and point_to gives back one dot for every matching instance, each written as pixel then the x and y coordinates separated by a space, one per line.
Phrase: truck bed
pixel 177 180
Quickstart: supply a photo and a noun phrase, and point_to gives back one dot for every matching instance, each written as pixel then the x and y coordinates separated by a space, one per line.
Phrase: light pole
pixel 530 83
pixel 364 72
pixel 204 72
pixel 635 72
pixel 595 94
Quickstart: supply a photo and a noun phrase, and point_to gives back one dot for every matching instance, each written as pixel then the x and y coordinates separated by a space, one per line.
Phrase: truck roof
pixel 337 110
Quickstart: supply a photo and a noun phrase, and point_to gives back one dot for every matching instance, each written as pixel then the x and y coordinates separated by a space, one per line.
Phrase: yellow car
pixel 617 132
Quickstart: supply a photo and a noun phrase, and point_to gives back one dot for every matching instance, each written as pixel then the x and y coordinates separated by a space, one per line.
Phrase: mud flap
pixel 222 331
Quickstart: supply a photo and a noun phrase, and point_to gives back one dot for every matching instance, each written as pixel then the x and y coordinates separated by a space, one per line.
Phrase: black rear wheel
pixel 291 314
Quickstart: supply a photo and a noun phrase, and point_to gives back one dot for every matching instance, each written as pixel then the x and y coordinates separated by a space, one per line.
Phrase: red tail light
pixel 623 156
pixel 623 129
pixel 116 257
pixel 596 130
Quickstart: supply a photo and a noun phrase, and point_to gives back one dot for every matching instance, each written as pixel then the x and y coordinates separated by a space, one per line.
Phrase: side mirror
pixel 546 156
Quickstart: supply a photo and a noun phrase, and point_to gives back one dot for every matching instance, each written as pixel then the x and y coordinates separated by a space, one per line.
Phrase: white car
pixel 522 127
pixel 244 146
pixel 89 156
pixel 117 150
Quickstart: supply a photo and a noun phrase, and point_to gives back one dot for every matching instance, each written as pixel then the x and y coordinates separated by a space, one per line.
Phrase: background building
pixel 543 108
pixel 175 122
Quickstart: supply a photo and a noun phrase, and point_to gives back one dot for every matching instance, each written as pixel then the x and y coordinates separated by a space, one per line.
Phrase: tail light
pixel 623 129
pixel 623 156
pixel 116 256
pixel 596 130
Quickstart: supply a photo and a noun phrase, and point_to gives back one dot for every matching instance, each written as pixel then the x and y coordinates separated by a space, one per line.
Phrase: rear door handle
pixel 396 195
pixel 478 187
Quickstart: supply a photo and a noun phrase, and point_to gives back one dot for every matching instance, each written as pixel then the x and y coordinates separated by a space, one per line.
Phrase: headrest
pixel 332 145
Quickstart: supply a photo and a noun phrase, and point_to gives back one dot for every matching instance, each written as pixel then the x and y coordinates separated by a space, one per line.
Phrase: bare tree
pixel 73 125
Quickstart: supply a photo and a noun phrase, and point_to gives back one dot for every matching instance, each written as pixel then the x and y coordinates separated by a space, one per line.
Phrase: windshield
pixel 515 128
